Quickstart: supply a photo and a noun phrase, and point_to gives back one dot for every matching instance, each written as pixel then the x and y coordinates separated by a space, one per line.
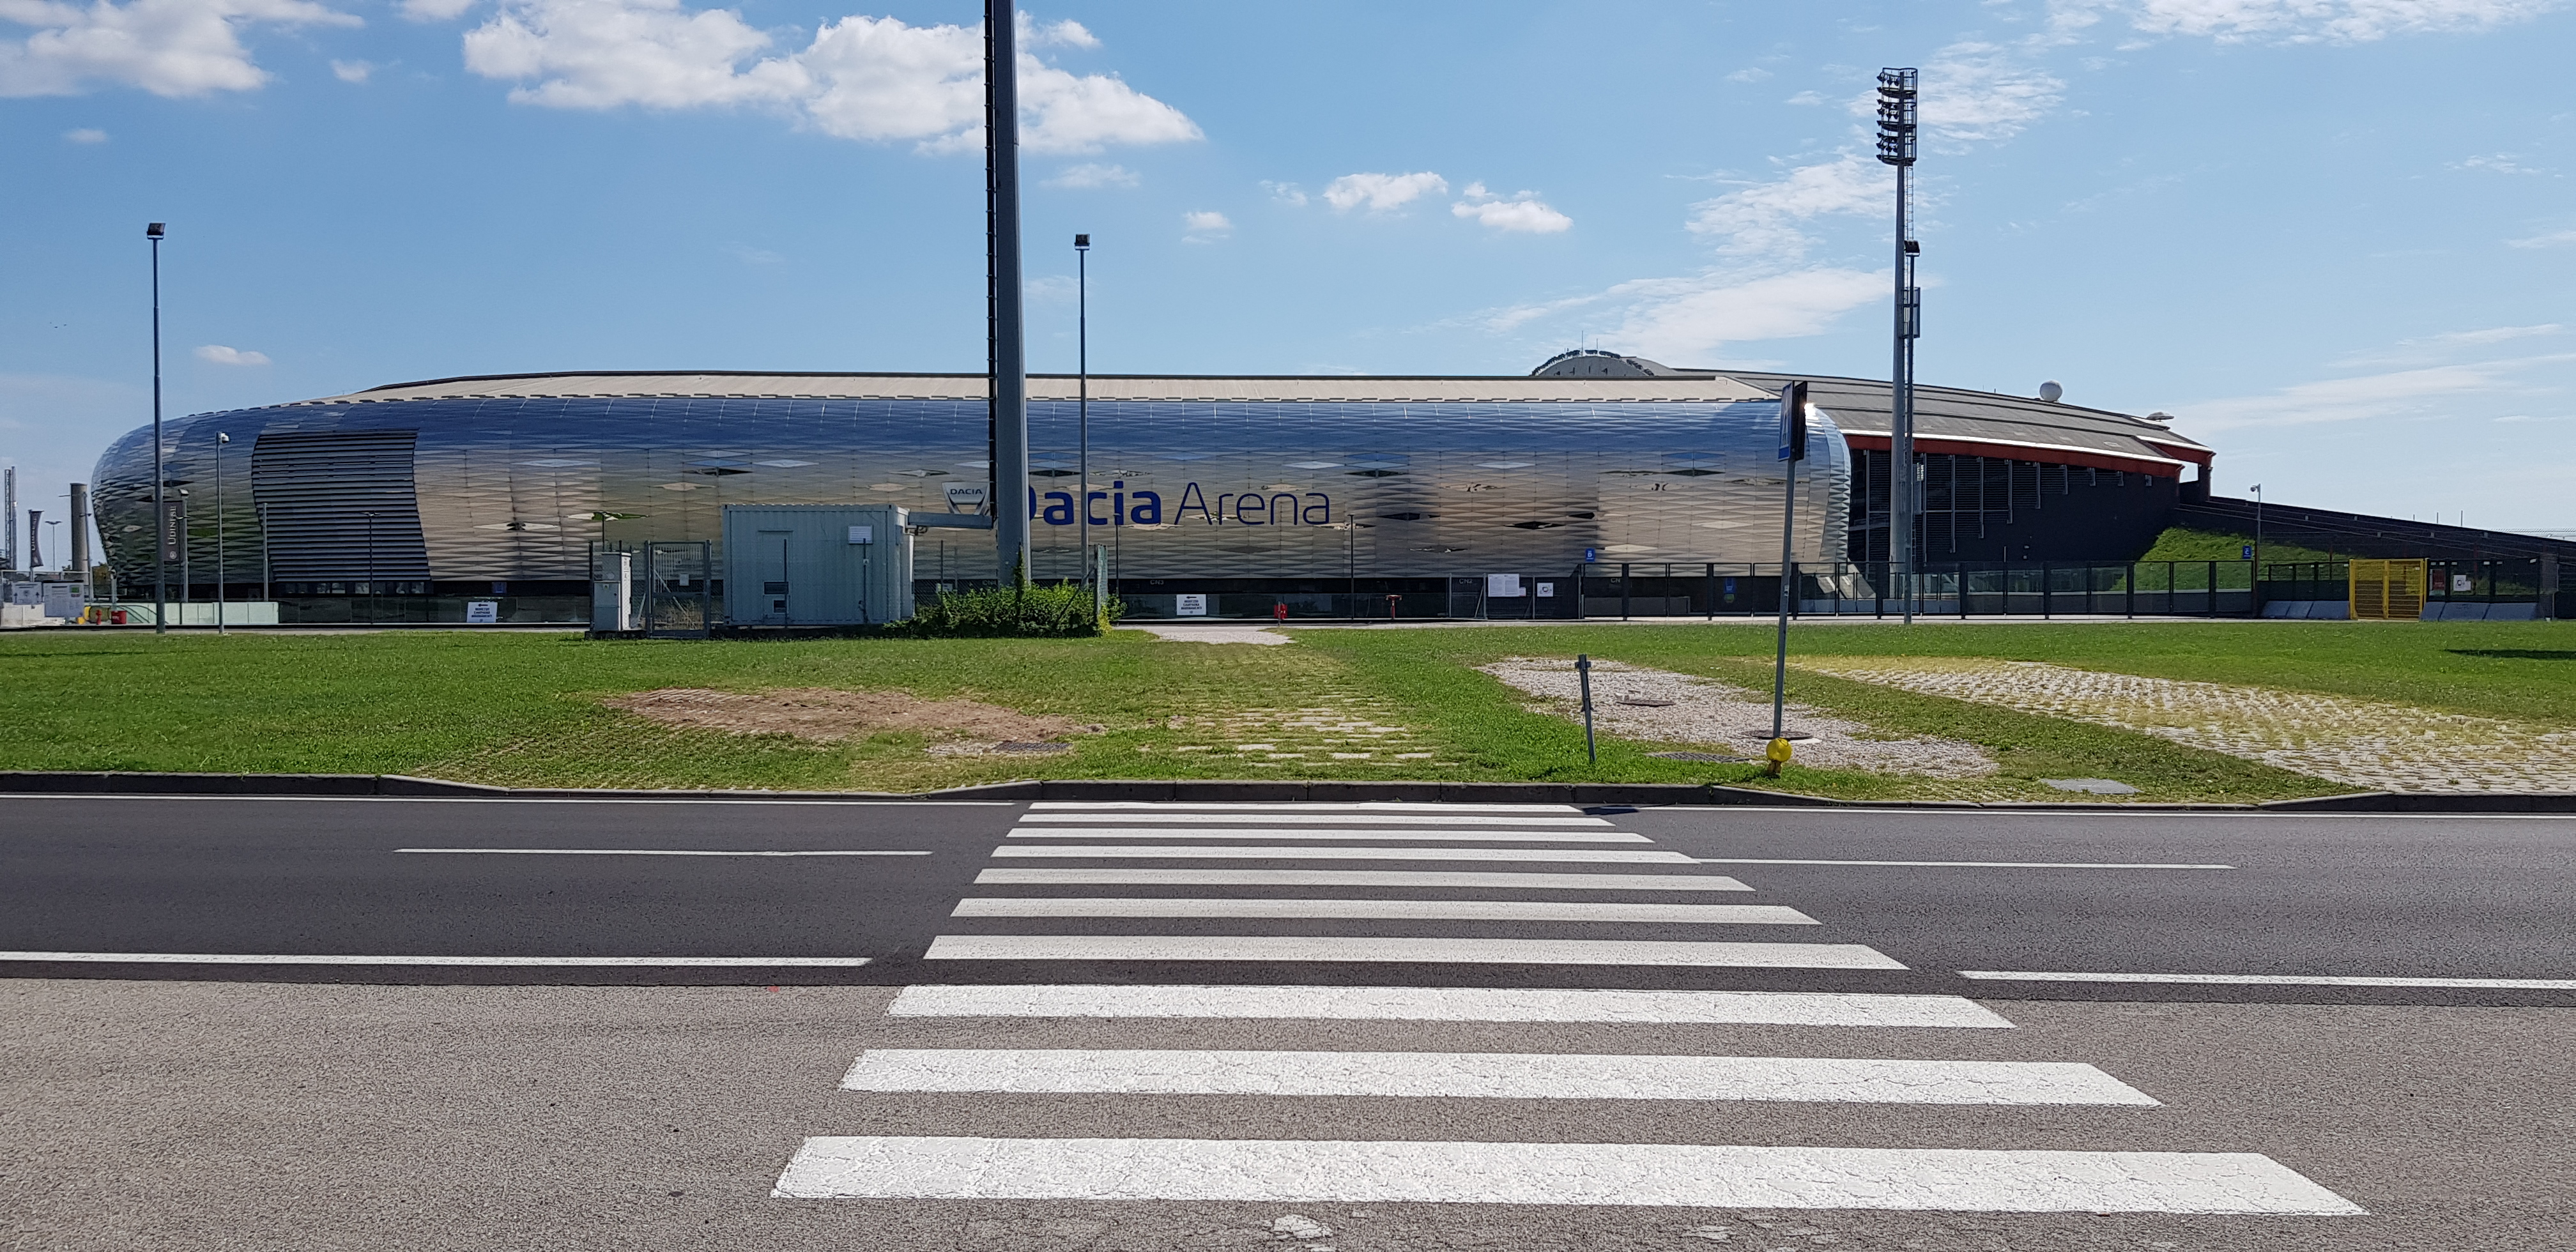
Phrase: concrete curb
pixel 1640 795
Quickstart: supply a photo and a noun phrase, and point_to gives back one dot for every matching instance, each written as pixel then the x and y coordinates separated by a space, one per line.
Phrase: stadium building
pixel 1330 494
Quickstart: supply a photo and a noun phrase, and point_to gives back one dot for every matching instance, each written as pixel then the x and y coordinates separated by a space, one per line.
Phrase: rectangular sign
pixel 1546 591
pixel 482 612
pixel 863 534
pixel 174 532
pixel 1189 604
pixel 64 600
pixel 965 497
pixel 1503 587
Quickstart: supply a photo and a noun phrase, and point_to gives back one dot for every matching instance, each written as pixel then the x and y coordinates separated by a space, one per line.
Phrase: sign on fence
pixel 1189 604
pixel 482 612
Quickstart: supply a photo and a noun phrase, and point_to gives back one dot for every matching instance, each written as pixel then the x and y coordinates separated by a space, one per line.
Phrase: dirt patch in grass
pixel 825 715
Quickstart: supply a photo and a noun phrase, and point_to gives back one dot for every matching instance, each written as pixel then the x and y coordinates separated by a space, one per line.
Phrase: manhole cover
pixel 1698 756
pixel 1014 746
pixel 1644 703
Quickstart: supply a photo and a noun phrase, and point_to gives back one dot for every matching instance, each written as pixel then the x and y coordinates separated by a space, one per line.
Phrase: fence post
pixel 2131 595
pixel 1623 591
pixel 2211 609
pixel 1711 591
pixel 2047 590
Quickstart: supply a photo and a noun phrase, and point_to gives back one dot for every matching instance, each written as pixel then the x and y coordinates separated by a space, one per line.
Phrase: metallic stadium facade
pixel 415 496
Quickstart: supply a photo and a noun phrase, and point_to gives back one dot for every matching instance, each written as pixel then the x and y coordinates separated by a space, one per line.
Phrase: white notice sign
pixel 863 534
pixel 1190 605
pixel 1503 587
pixel 482 612
pixel 1547 591
pixel 63 600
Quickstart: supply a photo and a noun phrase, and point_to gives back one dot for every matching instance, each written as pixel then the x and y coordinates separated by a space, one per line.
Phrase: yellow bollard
pixel 1778 754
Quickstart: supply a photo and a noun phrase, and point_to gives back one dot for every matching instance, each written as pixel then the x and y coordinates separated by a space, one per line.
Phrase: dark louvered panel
pixel 340 505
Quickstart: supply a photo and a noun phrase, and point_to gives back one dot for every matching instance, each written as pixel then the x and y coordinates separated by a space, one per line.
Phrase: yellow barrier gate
pixel 2387 591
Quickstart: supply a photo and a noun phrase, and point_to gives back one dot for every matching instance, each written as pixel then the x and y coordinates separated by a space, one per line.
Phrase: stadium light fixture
pixel 1898 95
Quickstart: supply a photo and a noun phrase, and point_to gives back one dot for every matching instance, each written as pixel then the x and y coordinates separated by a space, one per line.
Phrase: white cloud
pixel 1806 97
pixel 1765 220
pixel 1203 226
pixel 875 79
pixel 352 71
pixel 2432 390
pixel 1523 213
pixel 2553 239
pixel 1676 319
pixel 166 47
pixel 1067 33
pixel 1752 74
pixel 1094 174
pixel 221 355
pixel 1285 193
pixel 86 134
pixel 1975 92
pixel 2317 21
pixel 435 10
pixel 749 255
pixel 1381 192
pixel 2499 163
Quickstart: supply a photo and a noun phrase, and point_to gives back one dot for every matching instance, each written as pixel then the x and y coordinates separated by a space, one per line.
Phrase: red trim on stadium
pixel 2044 455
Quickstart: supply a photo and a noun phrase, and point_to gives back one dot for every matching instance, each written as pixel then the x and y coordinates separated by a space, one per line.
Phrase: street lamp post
pixel 1082 401
pixel 221 439
pixel 1896 146
pixel 160 523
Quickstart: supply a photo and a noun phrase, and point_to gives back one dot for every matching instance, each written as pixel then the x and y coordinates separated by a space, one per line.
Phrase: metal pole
pixel 1896 146
pixel 160 524
pixel 1583 674
pixel 1008 364
pixel 221 439
pixel 1082 403
pixel 1788 587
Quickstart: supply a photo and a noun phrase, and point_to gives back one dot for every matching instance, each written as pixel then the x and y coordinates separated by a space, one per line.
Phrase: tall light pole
pixel 1896 146
pixel 1082 401
pixel 1007 340
pixel 160 522
pixel 220 440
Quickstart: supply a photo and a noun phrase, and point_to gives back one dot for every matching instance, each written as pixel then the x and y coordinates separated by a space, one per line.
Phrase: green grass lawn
pixel 523 709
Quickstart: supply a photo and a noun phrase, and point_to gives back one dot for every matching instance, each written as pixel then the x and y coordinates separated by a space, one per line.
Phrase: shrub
pixel 1062 611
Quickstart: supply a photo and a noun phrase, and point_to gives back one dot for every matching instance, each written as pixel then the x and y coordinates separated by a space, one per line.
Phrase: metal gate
pixel 677 601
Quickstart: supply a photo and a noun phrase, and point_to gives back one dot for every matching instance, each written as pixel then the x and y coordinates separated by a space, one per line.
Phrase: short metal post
pixel 1583 674
pixel 1712 591
pixel 1623 591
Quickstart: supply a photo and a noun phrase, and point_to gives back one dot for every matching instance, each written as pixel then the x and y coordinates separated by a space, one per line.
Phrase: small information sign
pixel 863 534
pixel 482 612
pixel 1190 604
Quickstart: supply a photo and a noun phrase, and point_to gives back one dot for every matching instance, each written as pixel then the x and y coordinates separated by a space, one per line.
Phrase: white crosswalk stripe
pixel 1385 910
pixel 1444 918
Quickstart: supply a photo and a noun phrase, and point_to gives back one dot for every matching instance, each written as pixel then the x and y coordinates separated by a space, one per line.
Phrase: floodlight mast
pixel 1008 380
pixel 1897 128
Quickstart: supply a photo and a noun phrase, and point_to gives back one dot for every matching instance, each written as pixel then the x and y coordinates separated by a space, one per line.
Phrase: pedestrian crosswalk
pixel 1156 952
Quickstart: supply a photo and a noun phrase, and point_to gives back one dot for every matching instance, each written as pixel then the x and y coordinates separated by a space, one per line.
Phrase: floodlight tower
pixel 1896 146
pixel 1008 363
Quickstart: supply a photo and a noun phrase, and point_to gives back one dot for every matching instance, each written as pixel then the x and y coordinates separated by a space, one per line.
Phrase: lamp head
pixel 1081 242
pixel 222 438
pixel 152 230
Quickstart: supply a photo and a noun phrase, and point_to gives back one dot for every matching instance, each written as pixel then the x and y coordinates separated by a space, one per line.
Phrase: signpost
pixel 1793 451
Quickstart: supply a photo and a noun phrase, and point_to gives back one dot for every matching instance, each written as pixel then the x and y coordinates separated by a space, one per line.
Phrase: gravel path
pixel 2365 743
pixel 1680 709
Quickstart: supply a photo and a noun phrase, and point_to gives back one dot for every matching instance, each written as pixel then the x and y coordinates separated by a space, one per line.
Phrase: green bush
pixel 1063 611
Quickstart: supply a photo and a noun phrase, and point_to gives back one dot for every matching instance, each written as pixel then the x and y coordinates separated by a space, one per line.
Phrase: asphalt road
pixel 1184 1027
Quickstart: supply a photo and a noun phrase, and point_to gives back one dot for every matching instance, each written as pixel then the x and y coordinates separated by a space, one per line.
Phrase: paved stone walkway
pixel 1658 706
pixel 2365 743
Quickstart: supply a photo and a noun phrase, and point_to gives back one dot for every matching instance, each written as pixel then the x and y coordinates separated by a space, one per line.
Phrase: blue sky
pixel 2335 237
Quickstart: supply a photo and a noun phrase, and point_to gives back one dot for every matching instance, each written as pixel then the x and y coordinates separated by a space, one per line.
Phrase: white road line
pixel 1294 806
pixel 1423 950
pixel 1485 1076
pixel 1199 853
pixel 1272 832
pixel 1450 1004
pixel 1741 860
pixel 1122 876
pixel 1324 819
pixel 288 958
pixel 2281 980
pixel 646 852
pixel 1389 910
pixel 1660 1174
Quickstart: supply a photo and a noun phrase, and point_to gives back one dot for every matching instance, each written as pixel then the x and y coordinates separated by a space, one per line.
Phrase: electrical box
pixel 612 592
pixel 816 564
